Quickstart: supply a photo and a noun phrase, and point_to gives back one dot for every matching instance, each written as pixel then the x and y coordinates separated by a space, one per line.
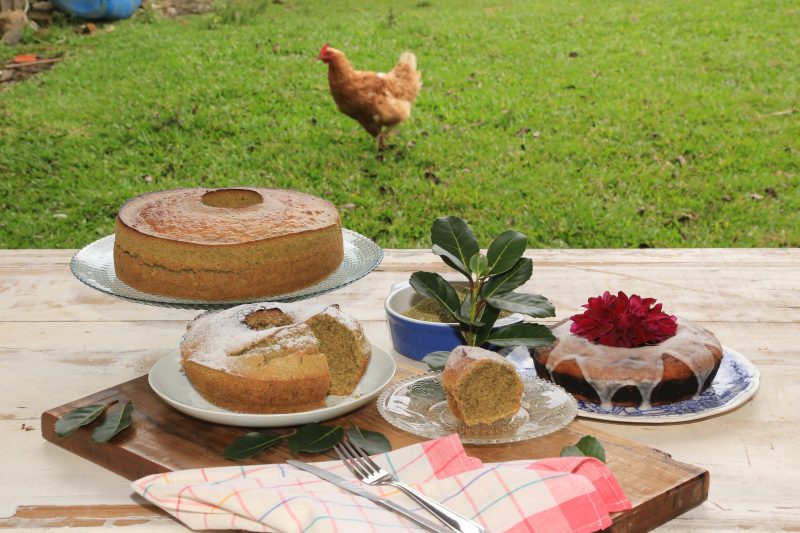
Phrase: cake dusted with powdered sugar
pixel 273 357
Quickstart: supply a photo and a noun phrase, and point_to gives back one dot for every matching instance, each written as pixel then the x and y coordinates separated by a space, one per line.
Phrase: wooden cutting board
pixel 162 439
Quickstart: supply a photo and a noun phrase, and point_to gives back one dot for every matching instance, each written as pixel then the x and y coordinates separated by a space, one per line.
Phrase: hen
pixel 377 101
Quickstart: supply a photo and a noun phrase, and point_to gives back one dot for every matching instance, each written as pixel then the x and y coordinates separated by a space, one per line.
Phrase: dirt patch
pixel 15 70
pixel 175 8
pixel 23 67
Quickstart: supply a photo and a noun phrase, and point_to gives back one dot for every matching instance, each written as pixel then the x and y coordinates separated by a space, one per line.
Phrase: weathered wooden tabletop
pixel 60 341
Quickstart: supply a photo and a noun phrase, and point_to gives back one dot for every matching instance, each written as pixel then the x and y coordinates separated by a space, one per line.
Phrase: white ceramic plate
pixel 168 381
pixel 94 266
pixel 736 382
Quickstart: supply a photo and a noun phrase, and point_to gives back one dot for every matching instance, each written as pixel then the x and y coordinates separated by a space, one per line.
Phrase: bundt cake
pixel 274 358
pixel 481 386
pixel 226 244
pixel 677 361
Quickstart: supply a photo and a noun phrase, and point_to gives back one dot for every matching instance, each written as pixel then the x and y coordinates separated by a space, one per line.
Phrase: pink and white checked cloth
pixel 549 495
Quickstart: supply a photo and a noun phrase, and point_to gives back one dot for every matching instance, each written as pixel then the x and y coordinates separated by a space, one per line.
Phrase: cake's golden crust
pixel 244 394
pixel 171 243
pixel 186 215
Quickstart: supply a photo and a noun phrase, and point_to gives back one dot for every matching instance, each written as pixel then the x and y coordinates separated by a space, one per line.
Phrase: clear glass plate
pixel 94 266
pixel 418 405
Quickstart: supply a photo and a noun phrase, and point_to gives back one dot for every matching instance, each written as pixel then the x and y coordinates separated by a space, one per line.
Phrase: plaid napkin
pixel 559 494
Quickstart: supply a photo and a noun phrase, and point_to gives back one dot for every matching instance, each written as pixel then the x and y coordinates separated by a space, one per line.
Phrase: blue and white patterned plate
pixel 736 382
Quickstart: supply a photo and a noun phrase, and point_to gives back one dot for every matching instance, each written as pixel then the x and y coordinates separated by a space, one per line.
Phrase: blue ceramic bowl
pixel 416 338
pixel 99 9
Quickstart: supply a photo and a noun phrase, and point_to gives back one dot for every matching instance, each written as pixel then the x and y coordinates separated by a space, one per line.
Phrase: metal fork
pixel 365 469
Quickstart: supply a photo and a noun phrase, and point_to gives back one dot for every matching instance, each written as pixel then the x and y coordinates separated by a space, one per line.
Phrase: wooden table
pixel 60 341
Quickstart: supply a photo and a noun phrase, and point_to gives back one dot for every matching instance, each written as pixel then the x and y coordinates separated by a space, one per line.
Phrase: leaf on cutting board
pixel 70 422
pixel 115 422
pixel 371 442
pixel 315 438
pixel 588 446
pixel 250 444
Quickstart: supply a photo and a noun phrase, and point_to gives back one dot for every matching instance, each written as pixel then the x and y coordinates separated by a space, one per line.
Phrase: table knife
pixel 351 486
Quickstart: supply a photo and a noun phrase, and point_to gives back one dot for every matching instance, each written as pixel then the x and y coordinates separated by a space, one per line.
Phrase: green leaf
pixel 70 422
pixel 315 438
pixel 371 442
pixel 116 421
pixel 436 360
pixel 250 444
pixel 571 451
pixel 451 260
pixel 478 264
pixel 488 316
pixel 435 286
pixel 588 446
pixel 505 250
pixel 591 447
pixel 452 235
pixel 522 334
pixel 466 304
pixel 509 280
pixel 534 305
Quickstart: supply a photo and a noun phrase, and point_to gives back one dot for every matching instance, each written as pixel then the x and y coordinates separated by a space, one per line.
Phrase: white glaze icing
pixel 607 368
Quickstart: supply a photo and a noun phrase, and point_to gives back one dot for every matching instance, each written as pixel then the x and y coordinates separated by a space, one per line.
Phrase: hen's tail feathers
pixel 409 59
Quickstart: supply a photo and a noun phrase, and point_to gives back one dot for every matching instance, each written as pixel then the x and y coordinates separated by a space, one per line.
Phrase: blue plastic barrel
pixel 99 9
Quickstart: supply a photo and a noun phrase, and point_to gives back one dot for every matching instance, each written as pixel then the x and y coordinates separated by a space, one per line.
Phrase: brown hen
pixel 377 101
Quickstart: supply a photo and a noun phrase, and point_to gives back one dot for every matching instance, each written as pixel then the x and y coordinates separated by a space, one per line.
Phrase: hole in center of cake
pixel 231 198
pixel 267 318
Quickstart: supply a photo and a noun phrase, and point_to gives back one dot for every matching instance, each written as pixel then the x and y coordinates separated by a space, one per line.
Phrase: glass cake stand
pixel 94 266
pixel 418 405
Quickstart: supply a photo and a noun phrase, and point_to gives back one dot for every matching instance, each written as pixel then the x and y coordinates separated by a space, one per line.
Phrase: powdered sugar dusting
pixel 475 353
pixel 213 338
pixel 348 321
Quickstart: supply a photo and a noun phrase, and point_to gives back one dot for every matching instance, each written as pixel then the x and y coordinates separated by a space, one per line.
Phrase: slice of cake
pixel 481 386
pixel 344 344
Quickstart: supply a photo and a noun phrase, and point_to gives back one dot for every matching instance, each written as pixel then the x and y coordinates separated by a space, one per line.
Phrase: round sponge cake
pixel 676 369
pixel 274 358
pixel 226 244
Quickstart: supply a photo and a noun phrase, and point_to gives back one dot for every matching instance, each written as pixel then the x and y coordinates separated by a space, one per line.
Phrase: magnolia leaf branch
pixel 491 281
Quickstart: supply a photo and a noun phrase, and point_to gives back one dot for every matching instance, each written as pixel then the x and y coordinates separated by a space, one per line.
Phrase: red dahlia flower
pixel 622 321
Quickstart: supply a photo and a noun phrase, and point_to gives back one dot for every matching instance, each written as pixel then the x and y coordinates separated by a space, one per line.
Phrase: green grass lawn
pixel 581 123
